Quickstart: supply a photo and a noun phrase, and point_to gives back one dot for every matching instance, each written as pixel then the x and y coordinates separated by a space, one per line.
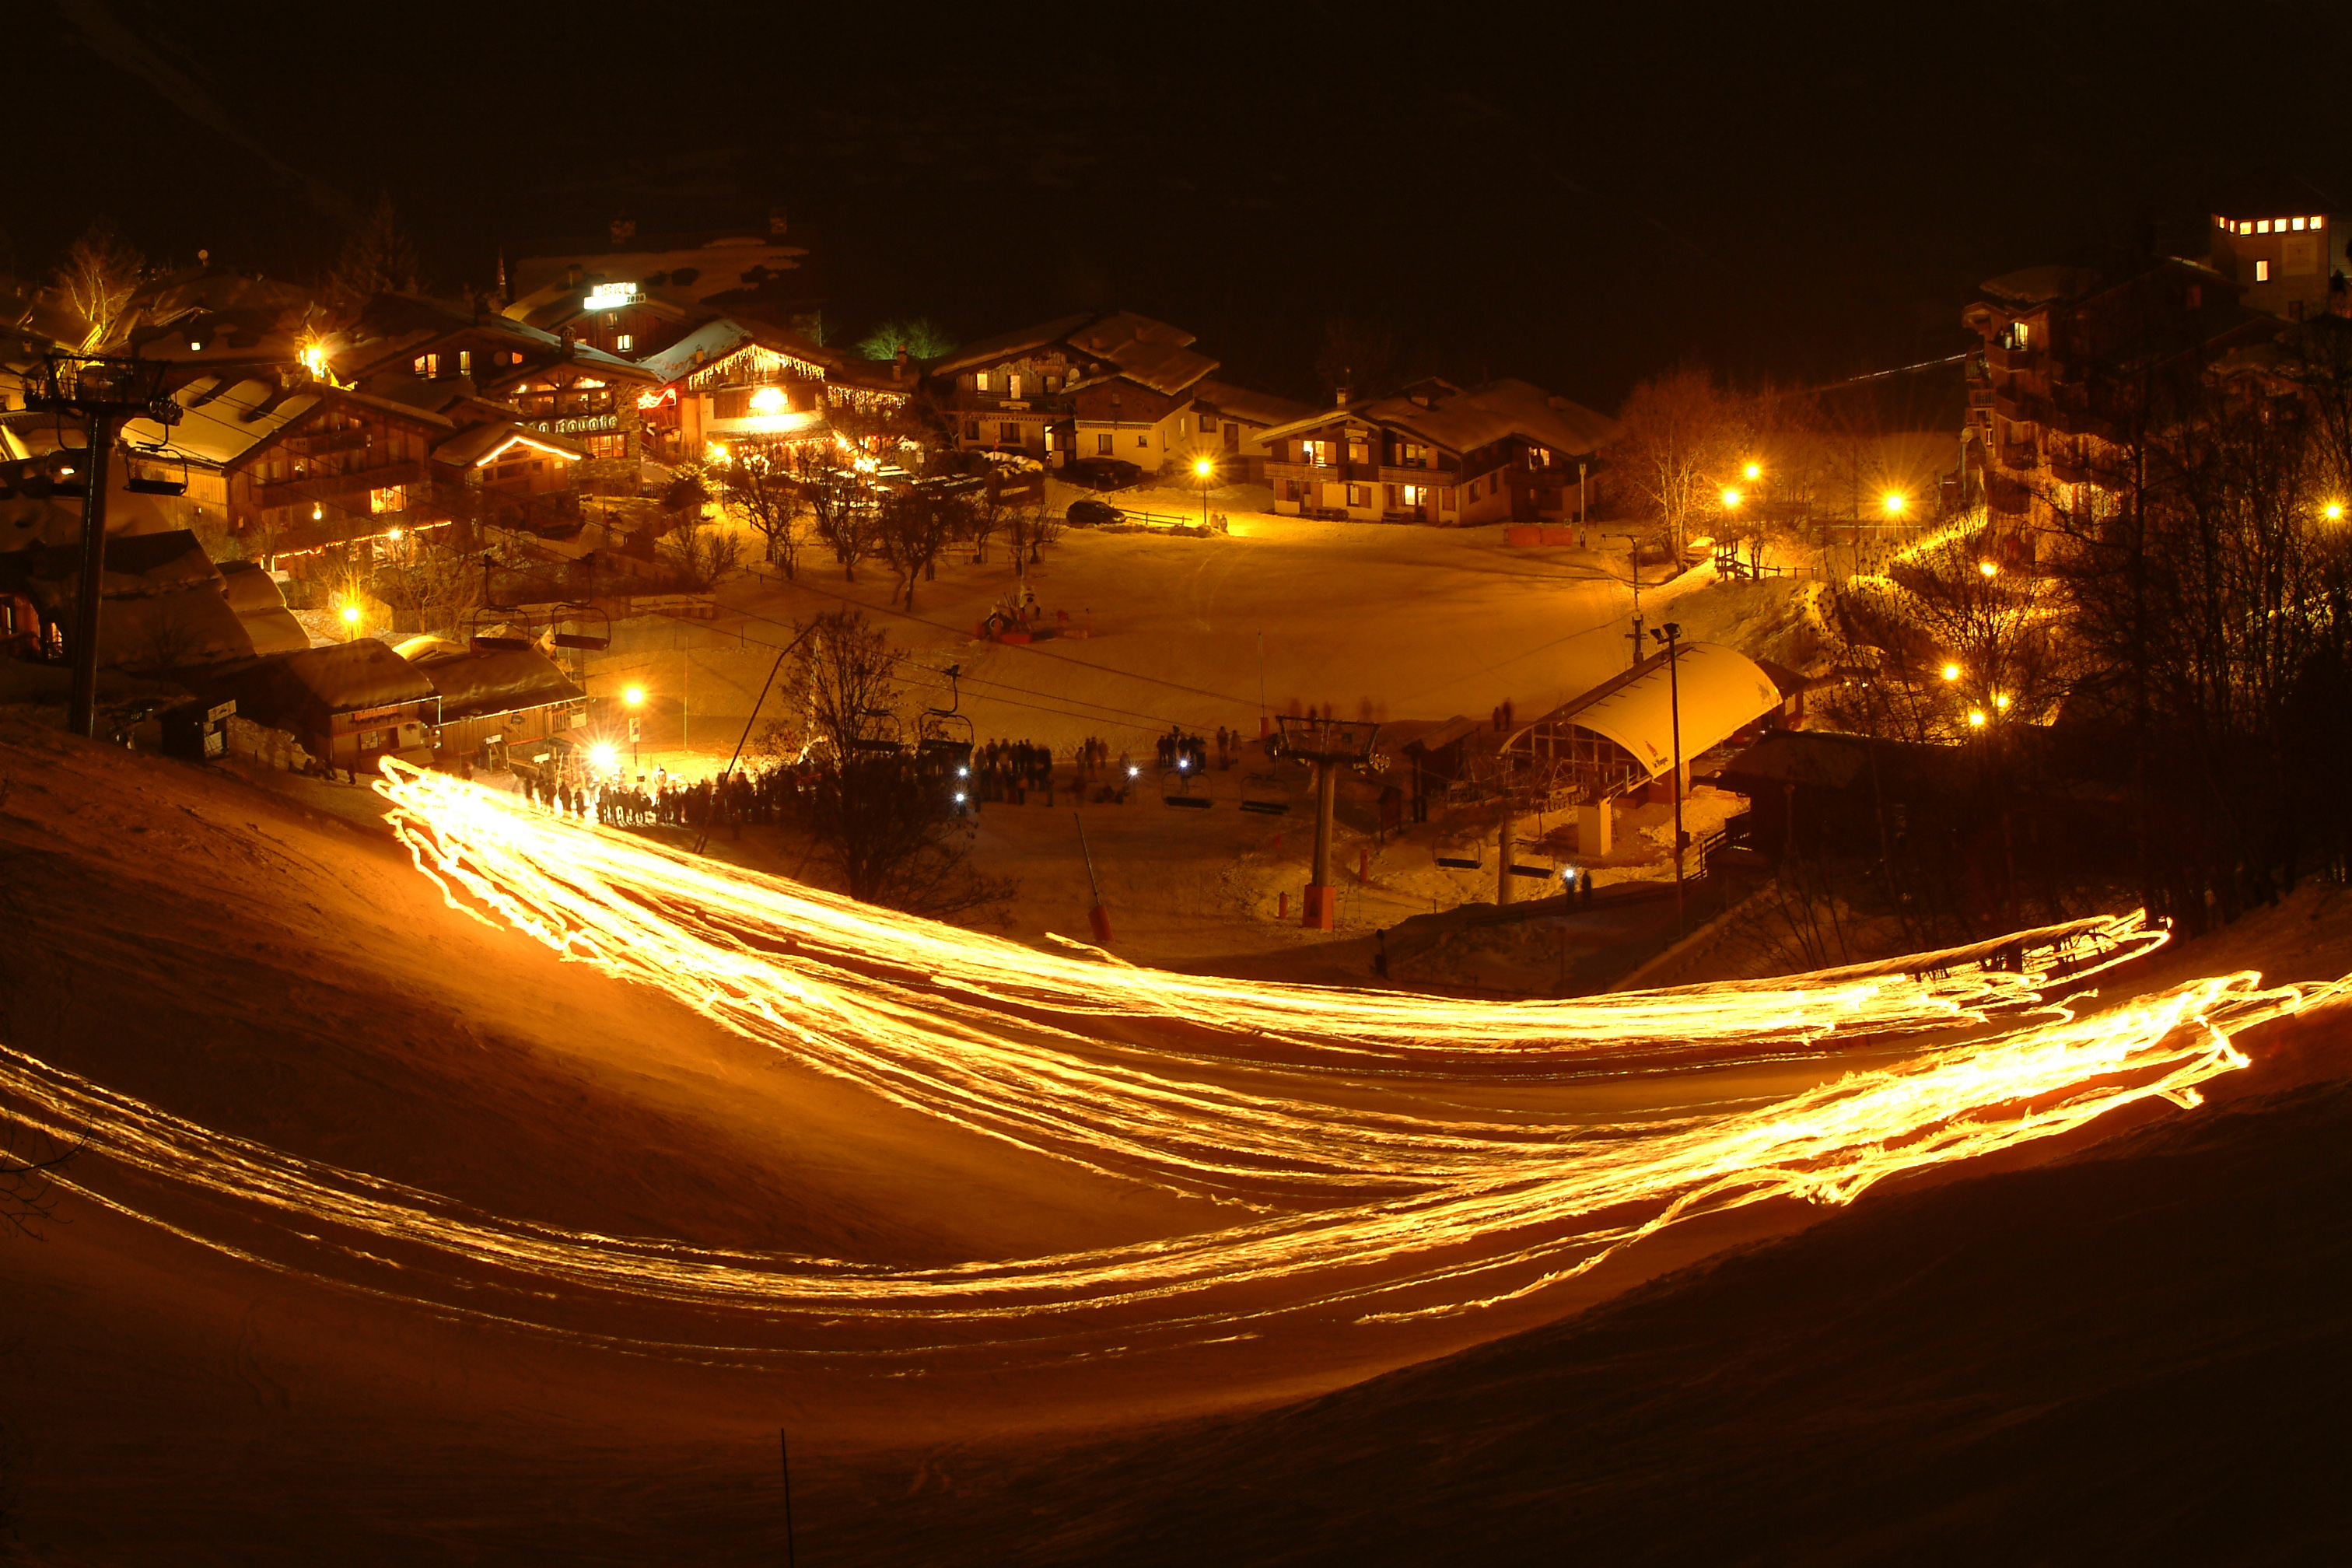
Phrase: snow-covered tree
pixel 96 280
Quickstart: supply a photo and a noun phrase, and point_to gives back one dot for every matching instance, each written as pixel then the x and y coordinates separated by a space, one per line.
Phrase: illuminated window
pixel 980 381
pixel 1359 495
pixel 2262 270
pixel 2278 225
pixel 2319 223
pixel 1012 386
pixel 1360 450
pixel 1415 495
pixel 465 361
pixel 2262 225
pixel 2298 226
pixel 626 342
pixel 417 366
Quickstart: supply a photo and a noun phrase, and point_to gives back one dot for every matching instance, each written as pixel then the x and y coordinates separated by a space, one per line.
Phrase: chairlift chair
pixel 1182 793
pixel 585 627
pixel 1461 852
pixel 1264 792
pixel 142 484
pixel 500 628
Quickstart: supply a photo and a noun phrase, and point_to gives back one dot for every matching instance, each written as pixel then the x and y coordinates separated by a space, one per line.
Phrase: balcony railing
pixel 2016 362
pixel 2019 455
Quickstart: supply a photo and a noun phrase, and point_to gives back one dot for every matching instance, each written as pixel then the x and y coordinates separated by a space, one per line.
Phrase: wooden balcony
pixel 2015 361
pixel 2019 455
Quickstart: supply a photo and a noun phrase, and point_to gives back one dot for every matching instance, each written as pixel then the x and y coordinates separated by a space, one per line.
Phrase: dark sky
pixel 1574 194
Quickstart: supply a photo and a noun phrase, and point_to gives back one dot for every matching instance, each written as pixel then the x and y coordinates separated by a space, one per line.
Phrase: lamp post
pixel 633 697
pixel 1633 569
pixel 1670 635
pixel 105 394
pixel 1205 468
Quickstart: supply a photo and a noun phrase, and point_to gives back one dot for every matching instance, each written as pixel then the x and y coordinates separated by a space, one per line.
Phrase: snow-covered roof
pixel 221 421
pixel 1717 690
pixel 1024 339
pixel 711 341
pixel 479 444
pixel 1465 421
pixel 1241 402
pixel 341 677
pixel 477 682
pixel 394 328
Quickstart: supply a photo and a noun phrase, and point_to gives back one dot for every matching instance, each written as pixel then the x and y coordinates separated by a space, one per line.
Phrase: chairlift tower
pixel 1331 745
pixel 104 394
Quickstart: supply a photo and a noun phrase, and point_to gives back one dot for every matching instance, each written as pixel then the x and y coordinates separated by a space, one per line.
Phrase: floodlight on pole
pixel 1951 672
pixel 1753 472
pixel 2333 511
pixel 1990 569
pixel 1205 468
pixel 1731 500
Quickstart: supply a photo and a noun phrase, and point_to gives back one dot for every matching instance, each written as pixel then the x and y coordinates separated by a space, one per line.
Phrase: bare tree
pixel 1029 527
pixel 916 528
pixel 1684 445
pixel 840 501
pixel 702 554
pixel 764 486
pixel 878 817
pixel 96 280
pixel 379 258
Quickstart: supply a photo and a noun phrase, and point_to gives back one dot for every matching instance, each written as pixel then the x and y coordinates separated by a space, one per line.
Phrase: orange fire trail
pixel 1407 1201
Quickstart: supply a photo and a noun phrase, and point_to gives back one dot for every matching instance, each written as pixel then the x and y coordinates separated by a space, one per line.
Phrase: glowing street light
pixel 351 619
pixel 1894 501
pixel 1753 471
pixel 1951 672
pixel 603 756
pixel 1731 500
pixel 1205 468
pixel 2333 511
pixel 2000 700
pixel 1990 569
pixel 1976 717
pixel 633 697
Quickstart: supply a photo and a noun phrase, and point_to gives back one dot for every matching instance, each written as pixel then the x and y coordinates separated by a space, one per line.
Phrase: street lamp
pixel 1731 500
pixel 351 619
pixel 1951 672
pixel 1753 472
pixel 1990 569
pixel 1894 501
pixel 2333 511
pixel 1670 635
pixel 633 697
pixel 1205 468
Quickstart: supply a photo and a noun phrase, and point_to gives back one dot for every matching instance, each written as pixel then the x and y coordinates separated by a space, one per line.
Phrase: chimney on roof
pixel 777 226
pixel 572 275
pixel 1341 394
pixel 625 229
pixel 565 342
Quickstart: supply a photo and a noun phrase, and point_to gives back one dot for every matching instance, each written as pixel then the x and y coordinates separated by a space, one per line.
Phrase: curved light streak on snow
pixel 1427 1206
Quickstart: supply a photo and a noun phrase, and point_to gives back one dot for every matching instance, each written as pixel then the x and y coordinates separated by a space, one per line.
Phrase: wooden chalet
pixel 730 384
pixel 1109 385
pixel 1504 452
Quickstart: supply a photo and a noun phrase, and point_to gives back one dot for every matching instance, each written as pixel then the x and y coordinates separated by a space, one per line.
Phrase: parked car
pixel 1087 513
pixel 1102 473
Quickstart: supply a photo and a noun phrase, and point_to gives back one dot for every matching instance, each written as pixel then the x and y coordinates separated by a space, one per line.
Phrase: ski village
pixel 651 925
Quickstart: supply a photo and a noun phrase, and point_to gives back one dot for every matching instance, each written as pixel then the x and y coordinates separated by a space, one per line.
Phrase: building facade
pixel 1505 452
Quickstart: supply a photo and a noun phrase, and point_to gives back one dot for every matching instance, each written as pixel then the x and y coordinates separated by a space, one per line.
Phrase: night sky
pixel 1574 193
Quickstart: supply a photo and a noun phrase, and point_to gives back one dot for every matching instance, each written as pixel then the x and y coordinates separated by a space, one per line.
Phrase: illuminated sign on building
pixel 612 296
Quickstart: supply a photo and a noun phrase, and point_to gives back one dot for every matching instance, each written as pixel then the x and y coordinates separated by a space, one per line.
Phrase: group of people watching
pixel 1002 767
